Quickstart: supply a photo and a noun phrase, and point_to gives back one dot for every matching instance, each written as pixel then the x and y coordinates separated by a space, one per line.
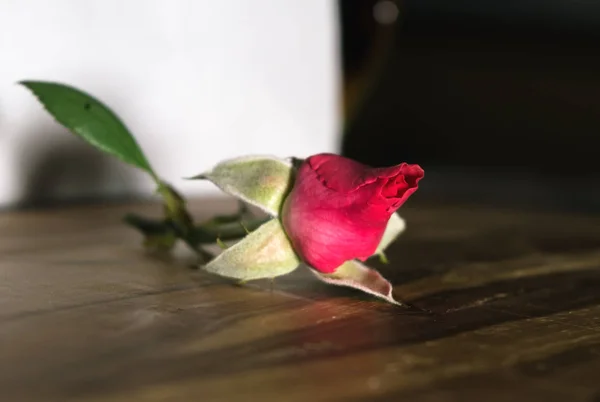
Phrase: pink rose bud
pixel 338 208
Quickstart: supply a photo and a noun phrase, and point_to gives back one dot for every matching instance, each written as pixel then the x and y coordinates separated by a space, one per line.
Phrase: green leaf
pixel 90 119
pixel 262 181
pixel 355 275
pixel 264 253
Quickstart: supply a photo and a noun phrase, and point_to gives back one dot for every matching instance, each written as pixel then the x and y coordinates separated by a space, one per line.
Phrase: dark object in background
pixel 498 91
pixel 368 28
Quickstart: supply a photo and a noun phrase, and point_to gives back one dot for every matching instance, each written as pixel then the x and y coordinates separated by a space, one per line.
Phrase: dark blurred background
pixel 498 101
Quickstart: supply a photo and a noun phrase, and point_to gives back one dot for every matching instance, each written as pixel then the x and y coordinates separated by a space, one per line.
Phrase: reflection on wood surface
pixel 86 315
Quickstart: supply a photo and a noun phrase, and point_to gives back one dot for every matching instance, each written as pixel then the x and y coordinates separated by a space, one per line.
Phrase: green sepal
pixel 262 181
pixel 264 253
pixel 394 228
pixel 356 275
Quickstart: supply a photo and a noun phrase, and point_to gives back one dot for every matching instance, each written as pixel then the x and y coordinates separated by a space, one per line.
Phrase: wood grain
pixel 87 315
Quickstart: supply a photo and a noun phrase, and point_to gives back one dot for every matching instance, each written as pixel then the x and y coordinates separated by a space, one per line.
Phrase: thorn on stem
pixel 245 227
pixel 222 245
pixel 383 258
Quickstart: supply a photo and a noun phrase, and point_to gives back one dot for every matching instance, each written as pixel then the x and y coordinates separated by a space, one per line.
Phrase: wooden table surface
pixel 87 315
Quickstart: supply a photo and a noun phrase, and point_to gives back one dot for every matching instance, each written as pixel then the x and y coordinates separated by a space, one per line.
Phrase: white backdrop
pixel 197 81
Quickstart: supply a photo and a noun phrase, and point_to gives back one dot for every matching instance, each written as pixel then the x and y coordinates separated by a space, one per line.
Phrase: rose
pixel 327 211
pixel 338 208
